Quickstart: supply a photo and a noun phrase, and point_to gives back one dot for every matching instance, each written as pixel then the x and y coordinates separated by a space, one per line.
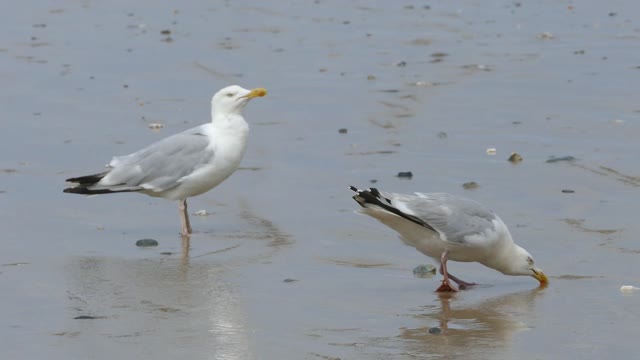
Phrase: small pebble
pixel 427 270
pixel 491 151
pixel 165 32
pixel 15 264
pixel 201 213
pixel 442 135
pixel 155 126
pixel 546 36
pixel 288 280
pixel 84 317
pixel 343 131
pixel 561 158
pixel 146 243
pixel 470 185
pixel 401 64
pixel 405 174
pixel 371 77
pixel 628 288
pixel 568 191
pixel 167 253
pixel 435 331
pixel 515 158
pixel 373 181
pixel 480 67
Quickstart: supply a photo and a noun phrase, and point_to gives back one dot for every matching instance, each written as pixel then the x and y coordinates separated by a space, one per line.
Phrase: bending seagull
pixel 445 227
pixel 183 165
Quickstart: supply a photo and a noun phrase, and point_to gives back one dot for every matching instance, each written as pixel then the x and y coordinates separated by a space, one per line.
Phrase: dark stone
pixel 146 243
pixel 343 131
pixel 470 185
pixel 405 174
pixel 435 331
pixel 423 271
pixel 561 158
pixel 515 158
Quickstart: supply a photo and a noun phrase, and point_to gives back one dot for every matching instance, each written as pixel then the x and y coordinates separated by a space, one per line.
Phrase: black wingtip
pixel 374 197
pixel 77 190
pixel 88 179
pixel 83 190
pixel 360 197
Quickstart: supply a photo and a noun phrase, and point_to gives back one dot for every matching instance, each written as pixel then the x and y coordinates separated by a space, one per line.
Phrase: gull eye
pixel 530 260
pixel 230 94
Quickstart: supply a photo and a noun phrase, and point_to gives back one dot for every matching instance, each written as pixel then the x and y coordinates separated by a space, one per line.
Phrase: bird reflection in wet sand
pixel 177 308
pixel 482 330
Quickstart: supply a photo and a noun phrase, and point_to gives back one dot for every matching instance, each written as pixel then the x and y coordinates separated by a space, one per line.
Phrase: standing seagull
pixel 185 164
pixel 445 227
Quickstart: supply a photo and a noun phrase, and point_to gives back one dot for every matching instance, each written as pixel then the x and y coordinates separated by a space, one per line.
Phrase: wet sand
pixel 283 268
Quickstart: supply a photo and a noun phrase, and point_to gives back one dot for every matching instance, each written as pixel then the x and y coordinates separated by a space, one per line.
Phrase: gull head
pixel 522 263
pixel 232 99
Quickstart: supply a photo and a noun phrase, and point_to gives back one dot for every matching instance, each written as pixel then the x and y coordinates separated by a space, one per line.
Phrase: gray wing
pixel 454 218
pixel 161 165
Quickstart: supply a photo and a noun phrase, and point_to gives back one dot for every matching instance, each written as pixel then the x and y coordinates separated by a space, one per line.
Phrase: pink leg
pixel 446 285
pixel 184 218
pixel 461 283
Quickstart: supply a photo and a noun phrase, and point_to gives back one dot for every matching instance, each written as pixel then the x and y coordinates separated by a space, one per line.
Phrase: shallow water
pixel 84 80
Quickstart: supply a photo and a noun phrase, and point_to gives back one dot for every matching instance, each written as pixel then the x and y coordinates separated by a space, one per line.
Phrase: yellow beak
pixel 541 277
pixel 257 92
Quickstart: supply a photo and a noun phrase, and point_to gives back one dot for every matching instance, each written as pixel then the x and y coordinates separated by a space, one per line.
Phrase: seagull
pixel 182 165
pixel 447 227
